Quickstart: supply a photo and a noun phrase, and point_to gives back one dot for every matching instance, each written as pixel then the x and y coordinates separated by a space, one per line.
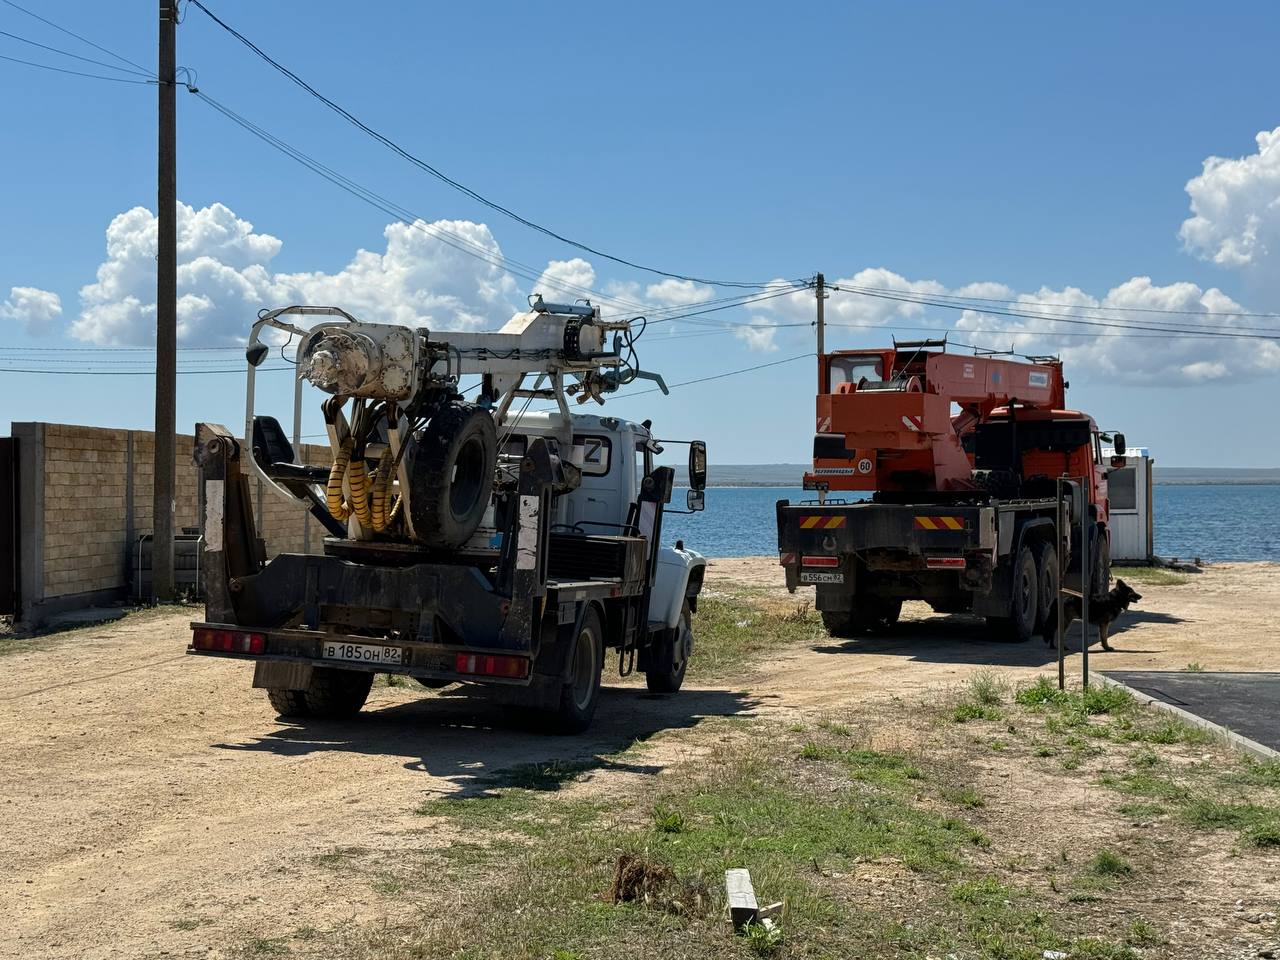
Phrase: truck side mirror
pixel 1119 444
pixel 696 500
pixel 697 466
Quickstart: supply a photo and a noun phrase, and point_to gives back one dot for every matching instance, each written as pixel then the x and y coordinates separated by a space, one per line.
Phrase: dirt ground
pixel 153 805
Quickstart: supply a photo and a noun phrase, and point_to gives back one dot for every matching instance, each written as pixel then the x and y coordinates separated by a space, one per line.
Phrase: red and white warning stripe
pixel 824 424
pixel 913 423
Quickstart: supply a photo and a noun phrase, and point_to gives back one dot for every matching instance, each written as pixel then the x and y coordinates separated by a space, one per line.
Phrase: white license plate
pixel 821 576
pixel 362 652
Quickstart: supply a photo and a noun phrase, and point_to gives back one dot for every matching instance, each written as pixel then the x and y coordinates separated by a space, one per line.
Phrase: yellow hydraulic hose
pixel 370 499
pixel 352 470
pixel 333 490
pixel 382 516
pixel 358 481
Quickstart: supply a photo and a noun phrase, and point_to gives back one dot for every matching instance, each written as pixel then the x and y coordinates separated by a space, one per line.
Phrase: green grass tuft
pixel 985 891
pixel 1265 835
pixel 1150 576
pixel 761 940
pixel 666 820
pixel 964 797
pixel 1039 693
pixel 987 688
pixel 966 712
pixel 1255 773
pixel 731 631
pixel 1097 700
pixel 1107 863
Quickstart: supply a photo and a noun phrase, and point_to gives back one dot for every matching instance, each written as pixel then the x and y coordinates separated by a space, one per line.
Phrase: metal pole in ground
pixel 1086 561
pixel 166 310
pixel 1064 538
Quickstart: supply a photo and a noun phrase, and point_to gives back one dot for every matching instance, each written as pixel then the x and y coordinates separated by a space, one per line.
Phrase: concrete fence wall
pixel 85 497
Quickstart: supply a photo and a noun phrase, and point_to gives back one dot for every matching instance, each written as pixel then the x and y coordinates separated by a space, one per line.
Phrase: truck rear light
pixel 945 563
pixel 511 668
pixel 820 561
pixel 228 641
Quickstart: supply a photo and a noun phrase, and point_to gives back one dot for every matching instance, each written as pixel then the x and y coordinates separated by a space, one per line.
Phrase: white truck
pixel 470 541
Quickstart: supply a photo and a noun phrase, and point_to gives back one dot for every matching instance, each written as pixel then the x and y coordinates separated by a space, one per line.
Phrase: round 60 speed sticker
pixel 865 465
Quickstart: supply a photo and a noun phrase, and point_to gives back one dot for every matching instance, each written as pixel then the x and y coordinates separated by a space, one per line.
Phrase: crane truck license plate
pixel 362 652
pixel 821 576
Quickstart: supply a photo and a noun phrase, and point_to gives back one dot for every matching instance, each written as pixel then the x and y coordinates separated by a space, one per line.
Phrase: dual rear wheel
pixel 331 695
pixel 1026 611
pixel 869 615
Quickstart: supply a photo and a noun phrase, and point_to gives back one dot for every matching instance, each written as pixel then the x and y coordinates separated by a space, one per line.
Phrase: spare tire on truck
pixel 451 474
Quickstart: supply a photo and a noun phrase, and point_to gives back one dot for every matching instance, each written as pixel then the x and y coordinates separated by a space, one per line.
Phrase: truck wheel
pixel 333 695
pixel 578 697
pixel 670 657
pixel 1100 582
pixel 288 703
pixel 1047 569
pixel 871 615
pixel 1024 605
pixel 452 474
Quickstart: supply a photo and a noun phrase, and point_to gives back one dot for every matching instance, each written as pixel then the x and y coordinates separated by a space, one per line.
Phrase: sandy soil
pixel 1222 619
pixel 154 805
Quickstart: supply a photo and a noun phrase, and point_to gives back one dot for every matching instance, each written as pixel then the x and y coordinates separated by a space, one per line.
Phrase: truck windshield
pixel 854 369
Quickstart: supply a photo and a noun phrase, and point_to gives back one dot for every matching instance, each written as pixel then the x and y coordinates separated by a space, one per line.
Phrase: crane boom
pixel 898 418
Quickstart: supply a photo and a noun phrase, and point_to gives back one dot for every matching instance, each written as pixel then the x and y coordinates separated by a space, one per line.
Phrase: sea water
pixel 1213 521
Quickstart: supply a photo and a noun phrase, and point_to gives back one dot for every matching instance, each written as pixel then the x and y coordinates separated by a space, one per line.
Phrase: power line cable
pixel 1075 306
pixel 131 373
pixel 716 376
pixel 74 73
pixel 1004 332
pixel 73 56
pixel 444 178
pixel 1112 324
pixel 450 238
pixel 71 33
pixel 108 348
pixel 1169 326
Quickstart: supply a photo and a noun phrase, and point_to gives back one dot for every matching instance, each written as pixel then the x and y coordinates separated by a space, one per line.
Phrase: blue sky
pixel 1042 148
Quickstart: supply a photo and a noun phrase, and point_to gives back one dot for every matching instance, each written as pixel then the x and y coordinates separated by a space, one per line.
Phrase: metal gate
pixel 9 598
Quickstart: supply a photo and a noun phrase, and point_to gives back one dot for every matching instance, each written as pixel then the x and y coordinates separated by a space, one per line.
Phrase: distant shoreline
pixel 763 484
pixel 791 474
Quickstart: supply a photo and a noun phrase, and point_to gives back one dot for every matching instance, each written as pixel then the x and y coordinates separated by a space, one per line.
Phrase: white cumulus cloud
pixel 36 310
pixel 758 335
pixel 1156 347
pixel 225 278
pixel 565 280
pixel 678 293
pixel 450 275
pixel 1150 350
pixel 1236 207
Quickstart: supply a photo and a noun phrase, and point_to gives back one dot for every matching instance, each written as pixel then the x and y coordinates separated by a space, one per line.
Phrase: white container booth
pixel 1132 506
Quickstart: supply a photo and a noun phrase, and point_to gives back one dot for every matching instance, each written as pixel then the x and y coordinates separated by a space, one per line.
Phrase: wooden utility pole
pixel 166 309
pixel 820 291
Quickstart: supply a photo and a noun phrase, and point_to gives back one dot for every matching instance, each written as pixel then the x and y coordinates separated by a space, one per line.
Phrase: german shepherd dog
pixel 1103 611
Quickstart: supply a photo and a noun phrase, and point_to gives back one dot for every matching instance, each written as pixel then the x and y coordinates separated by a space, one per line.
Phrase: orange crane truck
pixel 962 457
